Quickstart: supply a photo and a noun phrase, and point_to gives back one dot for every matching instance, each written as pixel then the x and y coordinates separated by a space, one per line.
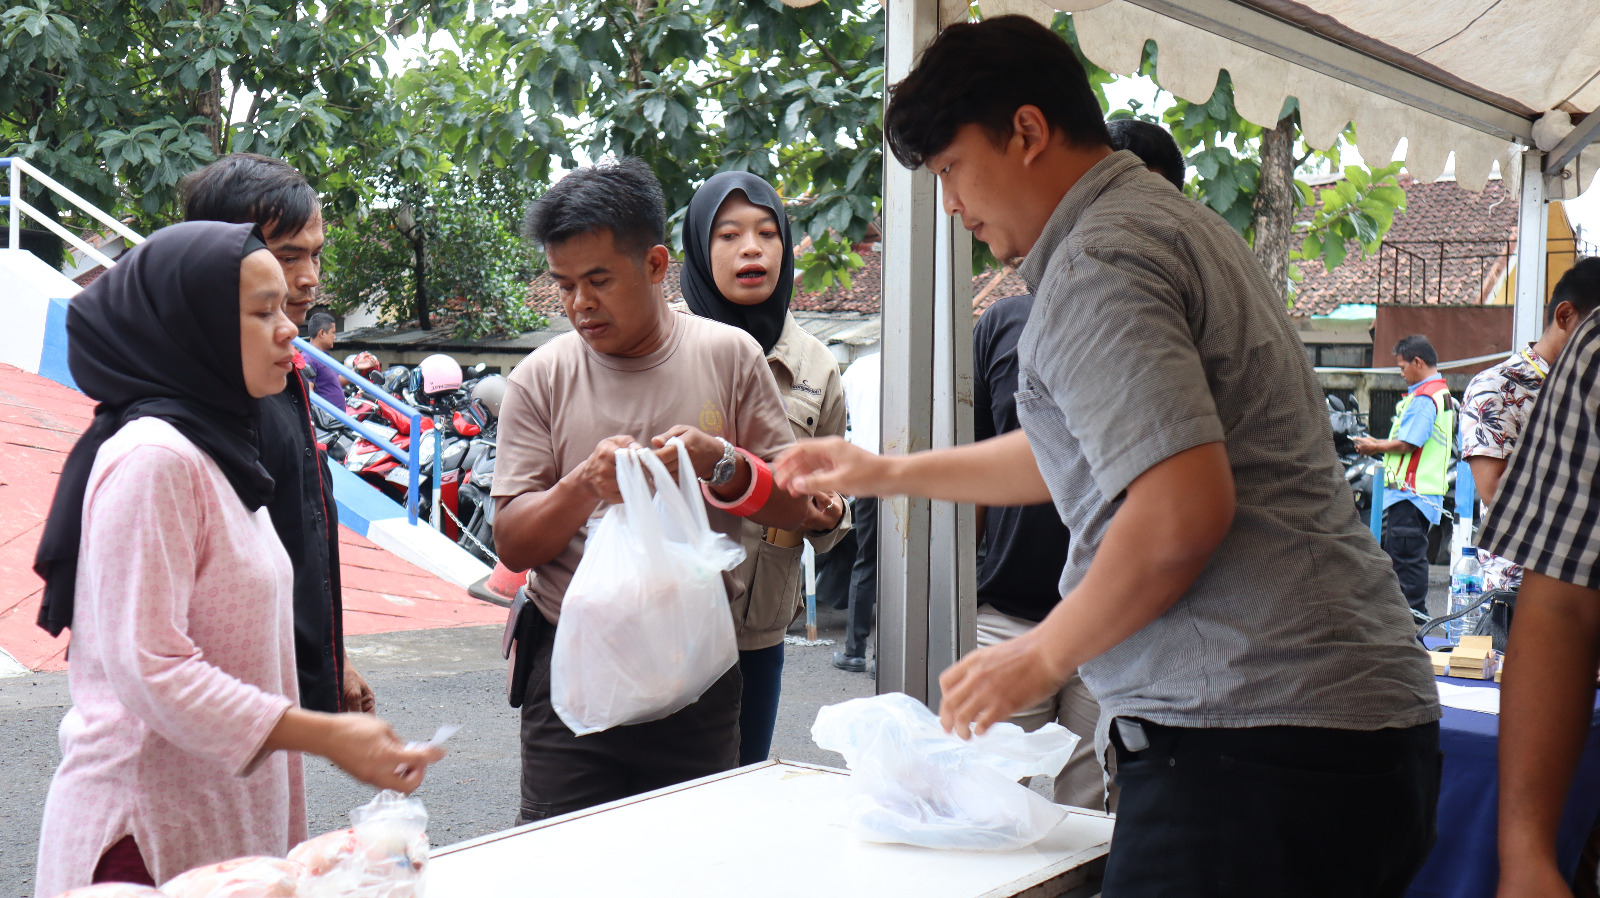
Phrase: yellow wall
pixel 1561 255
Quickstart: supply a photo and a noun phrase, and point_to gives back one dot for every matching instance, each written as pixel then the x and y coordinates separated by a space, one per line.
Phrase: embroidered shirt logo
pixel 805 386
pixel 711 419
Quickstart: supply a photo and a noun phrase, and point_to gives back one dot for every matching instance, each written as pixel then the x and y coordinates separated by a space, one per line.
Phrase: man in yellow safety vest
pixel 1416 463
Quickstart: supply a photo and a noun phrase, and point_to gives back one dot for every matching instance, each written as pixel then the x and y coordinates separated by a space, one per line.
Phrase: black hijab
pixel 764 321
pixel 157 336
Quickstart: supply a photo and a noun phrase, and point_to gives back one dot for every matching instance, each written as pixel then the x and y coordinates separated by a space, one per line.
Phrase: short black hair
pixel 1416 347
pixel 319 322
pixel 244 188
pixel 981 73
pixel 622 197
pixel 1153 145
pixel 1579 286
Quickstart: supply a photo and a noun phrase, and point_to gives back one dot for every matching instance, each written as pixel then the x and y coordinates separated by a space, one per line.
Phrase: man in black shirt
pixel 246 188
pixel 1022 550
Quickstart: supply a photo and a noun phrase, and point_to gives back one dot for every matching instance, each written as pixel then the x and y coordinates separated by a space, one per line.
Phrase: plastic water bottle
pixel 1466 588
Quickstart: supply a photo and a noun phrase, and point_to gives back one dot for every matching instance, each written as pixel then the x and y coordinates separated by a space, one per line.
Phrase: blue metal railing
pixel 410 457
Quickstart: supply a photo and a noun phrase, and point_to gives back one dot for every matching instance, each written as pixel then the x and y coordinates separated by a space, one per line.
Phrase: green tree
pixel 120 100
pixel 452 251
pixel 702 86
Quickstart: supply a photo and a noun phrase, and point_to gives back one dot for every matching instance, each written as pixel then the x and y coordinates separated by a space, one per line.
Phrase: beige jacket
pixel 772 574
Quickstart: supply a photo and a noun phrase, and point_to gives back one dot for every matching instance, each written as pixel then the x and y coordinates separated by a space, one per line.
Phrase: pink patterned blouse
pixel 182 662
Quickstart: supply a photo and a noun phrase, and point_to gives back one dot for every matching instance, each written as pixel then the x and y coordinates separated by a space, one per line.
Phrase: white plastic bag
pixel 384 854
pixel 919 785
pixel 243 877
pixel 645 627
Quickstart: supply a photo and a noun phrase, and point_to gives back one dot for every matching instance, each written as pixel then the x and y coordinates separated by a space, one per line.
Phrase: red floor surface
pixel 39 422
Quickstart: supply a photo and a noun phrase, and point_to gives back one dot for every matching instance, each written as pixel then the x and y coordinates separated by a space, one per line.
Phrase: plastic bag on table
pixel 645 627
pixel 383 854
pixel 114 890
pixel 242 877
pixel 919 785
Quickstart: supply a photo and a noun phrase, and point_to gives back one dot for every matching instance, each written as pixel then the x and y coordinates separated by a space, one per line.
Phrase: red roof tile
pixel 1473 231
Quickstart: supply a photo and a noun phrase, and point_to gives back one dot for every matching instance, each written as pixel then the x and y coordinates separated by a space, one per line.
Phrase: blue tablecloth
pixel 1463 863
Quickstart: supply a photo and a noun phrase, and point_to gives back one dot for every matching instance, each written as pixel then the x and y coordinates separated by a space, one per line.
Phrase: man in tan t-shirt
pixel 633 374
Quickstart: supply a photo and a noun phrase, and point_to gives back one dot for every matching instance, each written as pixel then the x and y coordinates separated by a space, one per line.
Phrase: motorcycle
pixel 474 505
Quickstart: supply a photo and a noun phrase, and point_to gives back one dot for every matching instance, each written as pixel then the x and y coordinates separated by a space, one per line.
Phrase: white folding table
pixel 773 830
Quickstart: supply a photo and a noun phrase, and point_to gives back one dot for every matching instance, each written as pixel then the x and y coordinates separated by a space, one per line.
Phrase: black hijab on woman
pixel 764 321
pixel 157 336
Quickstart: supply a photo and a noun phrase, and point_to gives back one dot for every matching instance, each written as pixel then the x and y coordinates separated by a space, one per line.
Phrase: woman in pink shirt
pixel 183 744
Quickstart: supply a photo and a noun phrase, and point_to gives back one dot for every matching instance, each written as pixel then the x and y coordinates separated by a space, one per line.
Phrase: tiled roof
pixel 1473 230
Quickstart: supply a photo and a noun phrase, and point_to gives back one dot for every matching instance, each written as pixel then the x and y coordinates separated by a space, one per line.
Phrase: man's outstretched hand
pixel 832 465
pixel 991 684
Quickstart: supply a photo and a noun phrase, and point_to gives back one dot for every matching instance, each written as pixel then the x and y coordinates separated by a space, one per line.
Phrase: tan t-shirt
pixel 562 400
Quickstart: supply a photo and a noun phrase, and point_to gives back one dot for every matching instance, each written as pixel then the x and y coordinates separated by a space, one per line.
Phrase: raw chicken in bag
pixel 645 626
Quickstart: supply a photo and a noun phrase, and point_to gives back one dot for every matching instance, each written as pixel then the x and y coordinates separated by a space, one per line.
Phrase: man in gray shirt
pixel 1275 725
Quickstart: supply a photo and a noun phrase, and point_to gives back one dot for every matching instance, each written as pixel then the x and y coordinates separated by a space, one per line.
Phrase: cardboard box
pixel 1441 663
pixel 1474 658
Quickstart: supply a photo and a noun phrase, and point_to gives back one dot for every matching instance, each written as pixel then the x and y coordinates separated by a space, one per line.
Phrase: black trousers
pixel 562 772
pixel 1273 811
pixel 833 572
pixel 863 578
pixel 1405 538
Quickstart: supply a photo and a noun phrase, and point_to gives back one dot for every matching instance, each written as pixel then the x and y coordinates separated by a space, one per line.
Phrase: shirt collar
pixel 1072 206
pixel 1535 360
pixel 1419 384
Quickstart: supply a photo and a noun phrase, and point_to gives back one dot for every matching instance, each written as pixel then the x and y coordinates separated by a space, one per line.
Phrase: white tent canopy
pixel 1486 80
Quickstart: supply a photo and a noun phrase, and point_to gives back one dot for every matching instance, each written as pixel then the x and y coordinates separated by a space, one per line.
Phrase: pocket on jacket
pixel 773 595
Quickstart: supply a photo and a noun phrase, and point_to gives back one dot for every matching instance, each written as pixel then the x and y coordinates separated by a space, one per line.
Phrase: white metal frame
pixel 19 207
pixel 926 588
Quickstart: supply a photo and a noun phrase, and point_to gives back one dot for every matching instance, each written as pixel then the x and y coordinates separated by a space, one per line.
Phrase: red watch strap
pixel 755 496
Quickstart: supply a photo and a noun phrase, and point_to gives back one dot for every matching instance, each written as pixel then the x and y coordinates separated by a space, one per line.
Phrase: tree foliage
pixel 697 87
pixel 459 242
pixel 120 100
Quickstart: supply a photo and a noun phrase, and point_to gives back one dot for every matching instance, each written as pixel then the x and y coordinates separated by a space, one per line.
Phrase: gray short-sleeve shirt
pixel 1155 330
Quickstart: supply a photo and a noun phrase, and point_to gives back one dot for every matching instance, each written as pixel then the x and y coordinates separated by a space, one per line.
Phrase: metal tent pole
pixel 909 246
pixel 952 578
pixel 1532 223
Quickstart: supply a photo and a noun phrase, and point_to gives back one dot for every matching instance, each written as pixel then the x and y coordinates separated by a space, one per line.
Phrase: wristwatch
pixel 725 467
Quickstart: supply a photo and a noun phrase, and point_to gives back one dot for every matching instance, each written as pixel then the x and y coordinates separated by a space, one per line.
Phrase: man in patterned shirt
pixel 1496 406
pixel 1544 518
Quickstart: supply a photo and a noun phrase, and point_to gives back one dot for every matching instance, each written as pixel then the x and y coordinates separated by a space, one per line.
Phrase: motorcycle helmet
pixel 394 377
pixel 437 377
pixel 363 363
pixel 490 391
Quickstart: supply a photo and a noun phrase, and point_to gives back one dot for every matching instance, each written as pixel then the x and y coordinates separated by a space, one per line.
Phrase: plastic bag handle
pixel 689 485
pixel 635 491
pixel 675 502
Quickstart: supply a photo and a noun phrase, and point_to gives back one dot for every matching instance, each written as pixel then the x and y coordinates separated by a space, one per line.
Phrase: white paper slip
pixel 1483 699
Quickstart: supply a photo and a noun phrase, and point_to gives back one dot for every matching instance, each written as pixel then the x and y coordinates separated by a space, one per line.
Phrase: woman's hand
pixel 360 744
pixel 366 748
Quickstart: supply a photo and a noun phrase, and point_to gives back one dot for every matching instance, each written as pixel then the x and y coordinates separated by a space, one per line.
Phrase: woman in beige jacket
pixel 739 269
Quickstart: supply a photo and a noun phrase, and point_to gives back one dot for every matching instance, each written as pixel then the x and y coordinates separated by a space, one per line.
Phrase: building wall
pixel 1457 332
